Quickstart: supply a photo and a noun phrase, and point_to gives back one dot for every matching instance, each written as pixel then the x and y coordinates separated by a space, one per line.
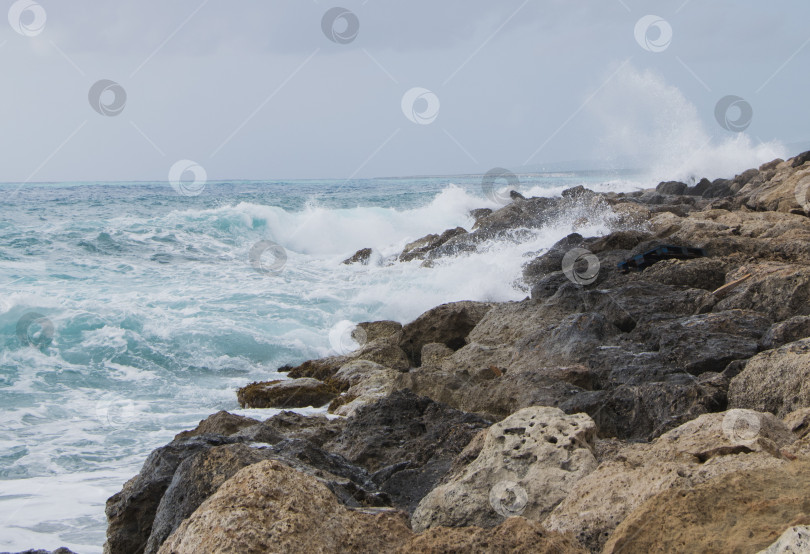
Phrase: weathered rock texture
pixel 776 381
pixel 270 507
pixel 744 511
pixel 527 465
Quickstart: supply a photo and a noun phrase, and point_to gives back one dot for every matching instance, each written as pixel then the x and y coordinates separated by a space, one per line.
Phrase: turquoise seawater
pixel 129 312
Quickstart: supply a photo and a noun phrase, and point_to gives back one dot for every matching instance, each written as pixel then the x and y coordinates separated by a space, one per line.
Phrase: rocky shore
pixel 663 410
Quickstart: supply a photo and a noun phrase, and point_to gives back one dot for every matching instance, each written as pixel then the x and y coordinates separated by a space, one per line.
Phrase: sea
pixel 129 311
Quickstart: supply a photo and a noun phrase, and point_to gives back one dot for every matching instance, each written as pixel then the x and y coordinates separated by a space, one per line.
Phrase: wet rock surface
pixel 654 410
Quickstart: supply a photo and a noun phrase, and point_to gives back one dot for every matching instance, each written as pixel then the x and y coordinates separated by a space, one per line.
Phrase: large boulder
pixel 365 382
pixel 131 511
pixel 776 381
pixel 448 324
pixel 195 479
pixel 743 511
pixel 779 291
pixel 270 507
pixel 418 249
pixel 293 393
pixel 408 441
pixel 528 463
pixel 700 450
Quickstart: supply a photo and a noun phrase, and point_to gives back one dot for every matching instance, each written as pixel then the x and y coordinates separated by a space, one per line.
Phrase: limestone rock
pixel 131 511
pixel 371 331
pixel 796 540
pixel 743 511
pixel 195 479
pixel 528 463
pixel 448 324
pixel 776 381
pixel 270 507
pixel 409 441
pixel 784 332
pixel 293 393
pixel 220 423
pixel 315 428
pixel 433 353
pixel 799 422
pixel 515 535
pixel 698 451
pixel 367 383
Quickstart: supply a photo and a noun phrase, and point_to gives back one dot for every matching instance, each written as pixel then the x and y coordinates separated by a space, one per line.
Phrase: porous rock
pixel 528 463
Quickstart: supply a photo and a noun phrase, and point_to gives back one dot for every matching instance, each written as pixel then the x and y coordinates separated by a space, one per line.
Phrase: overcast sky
pixel 257 90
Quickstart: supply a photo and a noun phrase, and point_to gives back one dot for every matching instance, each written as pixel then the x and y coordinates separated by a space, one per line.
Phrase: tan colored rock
pixel 796 540
pixel 269 507
pixel 779 193
pixel 434 353
pixel 367 382
pixel 371 331
pixel 527 465
pixel 698 451
pixel 780 291
pixel 515 535
pixel 743 511
pixel 220 423
pixel 776 381
pixel 799 422
pixel 384 353
pixel 292 393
